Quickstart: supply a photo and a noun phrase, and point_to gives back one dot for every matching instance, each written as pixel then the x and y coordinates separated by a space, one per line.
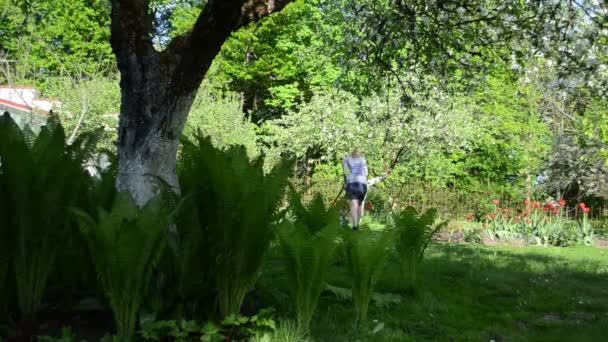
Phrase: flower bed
pixel 538 223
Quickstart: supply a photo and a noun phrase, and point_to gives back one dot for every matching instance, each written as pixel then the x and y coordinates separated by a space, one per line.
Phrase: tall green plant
pixel 307 257
pixel 125 244
pixel 366 252
pixel 414 233
pixel 307 246
pixel 314 215
pixel 230 207
pixel 40 177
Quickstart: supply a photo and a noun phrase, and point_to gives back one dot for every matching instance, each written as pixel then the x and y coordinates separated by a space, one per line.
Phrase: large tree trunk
pixel 148 141
pixel 158 87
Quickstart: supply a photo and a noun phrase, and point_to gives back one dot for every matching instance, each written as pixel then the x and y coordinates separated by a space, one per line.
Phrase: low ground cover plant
pixel 231 328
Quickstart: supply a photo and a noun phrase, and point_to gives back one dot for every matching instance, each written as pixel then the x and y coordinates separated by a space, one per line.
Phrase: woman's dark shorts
pixel 356 191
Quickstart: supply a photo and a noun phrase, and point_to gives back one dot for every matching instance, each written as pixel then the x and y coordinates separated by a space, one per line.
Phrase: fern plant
pixel 125 244
pixel 314 215
pixel 307 252
pixel 366 252
pixel 414 233
pixel 40 177
pixel 225 226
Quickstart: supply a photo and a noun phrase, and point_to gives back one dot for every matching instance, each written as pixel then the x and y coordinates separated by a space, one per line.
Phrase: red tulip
pixel 561 202
pixel 527 202
pixel 586 210
pixel 556 211
pixel 496 202
pixel 493 216
pixel 536 205
pixel 582 205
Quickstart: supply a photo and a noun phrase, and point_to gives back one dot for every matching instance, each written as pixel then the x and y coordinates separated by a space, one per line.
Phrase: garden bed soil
pixel 495 242
pixel 446 236
pixel 601 242
pixel 84 325
pixel 457 237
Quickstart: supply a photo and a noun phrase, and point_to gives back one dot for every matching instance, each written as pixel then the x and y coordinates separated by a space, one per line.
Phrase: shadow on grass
pixel 464 293
pixel 472 293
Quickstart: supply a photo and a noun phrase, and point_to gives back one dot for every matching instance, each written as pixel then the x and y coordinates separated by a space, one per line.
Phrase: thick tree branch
pixel 131 29
pixel 254 10
pixel 194 51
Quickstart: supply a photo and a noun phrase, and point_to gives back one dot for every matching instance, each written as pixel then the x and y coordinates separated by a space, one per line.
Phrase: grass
pixel 477 293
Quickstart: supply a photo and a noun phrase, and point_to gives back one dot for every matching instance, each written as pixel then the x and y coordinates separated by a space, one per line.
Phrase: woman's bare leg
pixel 354 212
pixel 360 211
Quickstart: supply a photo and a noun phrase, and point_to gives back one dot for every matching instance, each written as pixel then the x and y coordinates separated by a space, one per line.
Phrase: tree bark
pixel 158 87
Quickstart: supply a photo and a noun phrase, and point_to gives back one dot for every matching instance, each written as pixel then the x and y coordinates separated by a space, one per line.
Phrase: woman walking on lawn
pixel 355 174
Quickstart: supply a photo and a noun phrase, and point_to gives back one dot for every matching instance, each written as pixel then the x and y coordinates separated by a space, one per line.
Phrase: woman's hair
pixel 357 152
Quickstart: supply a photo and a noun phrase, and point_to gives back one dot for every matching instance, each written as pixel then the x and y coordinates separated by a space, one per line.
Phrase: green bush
pixel 414 233
pixel 307 257
pixel 125 243
pixel 307 245
pixel 225 224
pixel 40 177
pixel 366 252
pixel 314 215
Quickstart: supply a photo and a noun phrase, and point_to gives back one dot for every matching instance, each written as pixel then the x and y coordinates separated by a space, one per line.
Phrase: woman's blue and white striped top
pixel 357 168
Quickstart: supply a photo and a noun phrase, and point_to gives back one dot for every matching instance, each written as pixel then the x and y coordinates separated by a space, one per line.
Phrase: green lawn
pixel 476 293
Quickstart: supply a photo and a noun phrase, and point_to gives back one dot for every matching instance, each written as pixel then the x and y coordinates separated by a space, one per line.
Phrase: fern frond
pixel 231 206
pixel 307 252
pixel 39 180
pixel 341 293
pixel 381 300
pixel 366 253
pixel 126 243
pixel 414 232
